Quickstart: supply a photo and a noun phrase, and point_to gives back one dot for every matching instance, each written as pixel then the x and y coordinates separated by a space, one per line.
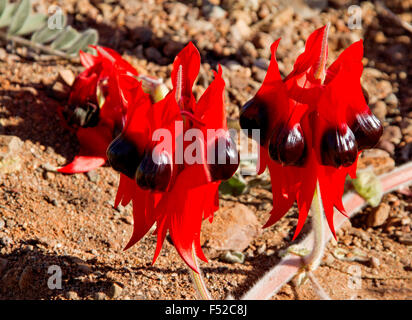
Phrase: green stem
pixel 200 286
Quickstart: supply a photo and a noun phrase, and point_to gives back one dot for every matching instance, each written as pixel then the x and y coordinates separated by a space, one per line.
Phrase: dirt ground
pixel 51 219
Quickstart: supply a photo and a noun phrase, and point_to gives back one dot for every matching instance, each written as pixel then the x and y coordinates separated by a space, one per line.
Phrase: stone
pixel 380 110
pixel 233 228
pixel 115 291
pixel 379 215
pixel 93 176
pixel 374 262
pixel 100 296
pixel 240 30
pixel 379 160
pixel 407 240
pixel 392 134
pixel 392 99
pixel 67 76
pixel 387 146
pixel 71 295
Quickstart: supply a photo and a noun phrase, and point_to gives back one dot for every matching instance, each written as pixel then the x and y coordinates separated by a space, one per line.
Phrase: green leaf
pixel 33 22
pixel 89 37
pixel 7 14
pixel 369 187
pixel 20 16
pixel 47 34
pixel 234 186
pixel 65 39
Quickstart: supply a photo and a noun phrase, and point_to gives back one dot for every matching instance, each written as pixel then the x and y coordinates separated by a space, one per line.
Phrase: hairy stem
pixel 38 46
pixel 313 259
pixel 197 278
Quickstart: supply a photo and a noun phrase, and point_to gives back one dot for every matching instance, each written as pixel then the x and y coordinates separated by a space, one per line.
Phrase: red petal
pixel 315 55
pixel 87 60
pixel 210 108
pixel 83 164
pixel 189 61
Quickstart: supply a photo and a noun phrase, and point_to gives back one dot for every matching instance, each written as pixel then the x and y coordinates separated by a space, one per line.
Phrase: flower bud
pixel 154 174
pixel 226 158
pixel 367 129
pixel 339 147
pixel 253 115
pixel 288 146
pixel 123 156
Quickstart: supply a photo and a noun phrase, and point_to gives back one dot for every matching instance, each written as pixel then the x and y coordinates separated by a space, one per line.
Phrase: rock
pixel 233 228
pixel 3 265
pixel 67 76
pixel 115 291
pixel 240 30
pixel 249 49
pixel 213 11
pixel 71 295
pixel 374 262
pixel 379 160
pixel 392 99
pixel 384 88
pixel 262 40
pixel 232 257
pixel 379 215
pixel 392 134
pixel 48 167
pixel 93 176
pixel 380 110
pixel 100 296
pixel 9 146
pixel 387 146
pixel 361 234
pixel 5 241
pixel 407 240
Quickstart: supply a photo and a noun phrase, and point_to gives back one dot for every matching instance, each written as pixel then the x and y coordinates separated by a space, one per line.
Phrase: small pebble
pixel 115 291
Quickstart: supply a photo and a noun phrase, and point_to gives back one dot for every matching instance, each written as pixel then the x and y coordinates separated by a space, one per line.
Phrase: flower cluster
pixel 175 194
pixel 313 124
pixel 96 108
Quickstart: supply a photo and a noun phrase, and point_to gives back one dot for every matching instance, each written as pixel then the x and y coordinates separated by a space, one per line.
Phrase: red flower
pixel 313 125
pixel 176 196
pixel 98 121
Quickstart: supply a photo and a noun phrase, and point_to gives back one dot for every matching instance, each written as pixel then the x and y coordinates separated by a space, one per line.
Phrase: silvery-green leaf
pixel 33 22
pixel 3 4
pixel 65 39
pixel 89 37
pixel 8 14
pixel 20 16
pixel 47 34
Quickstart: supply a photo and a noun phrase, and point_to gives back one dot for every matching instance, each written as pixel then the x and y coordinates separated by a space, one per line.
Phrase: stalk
pixel 197 278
